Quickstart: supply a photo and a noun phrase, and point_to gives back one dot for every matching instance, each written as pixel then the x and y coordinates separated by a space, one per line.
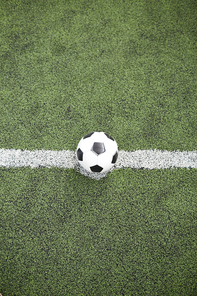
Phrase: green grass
pixel 68 235
pixel 72 67
pixel 128 69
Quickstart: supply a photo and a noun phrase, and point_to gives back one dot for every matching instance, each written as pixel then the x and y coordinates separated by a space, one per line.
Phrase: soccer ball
pixel 97 152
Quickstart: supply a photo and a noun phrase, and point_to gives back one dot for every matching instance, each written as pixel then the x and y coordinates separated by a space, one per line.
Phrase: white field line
pixel 149 159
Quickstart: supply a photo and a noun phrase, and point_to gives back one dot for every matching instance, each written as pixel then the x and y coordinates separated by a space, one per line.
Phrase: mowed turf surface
pixel 72 67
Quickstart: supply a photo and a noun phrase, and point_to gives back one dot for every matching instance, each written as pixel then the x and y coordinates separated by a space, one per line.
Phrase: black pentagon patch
pixel 109 137
pixel 88 135
pixel 98 148
pixel 96 169
pixel 80 154
pixel 115 157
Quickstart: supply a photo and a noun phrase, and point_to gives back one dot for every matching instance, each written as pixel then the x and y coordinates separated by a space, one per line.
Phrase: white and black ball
pixel 97 152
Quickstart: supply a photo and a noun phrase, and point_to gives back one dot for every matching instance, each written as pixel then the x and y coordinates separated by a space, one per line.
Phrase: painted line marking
pixel 149 159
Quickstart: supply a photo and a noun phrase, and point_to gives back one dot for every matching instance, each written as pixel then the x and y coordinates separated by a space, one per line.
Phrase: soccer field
pixel 127 68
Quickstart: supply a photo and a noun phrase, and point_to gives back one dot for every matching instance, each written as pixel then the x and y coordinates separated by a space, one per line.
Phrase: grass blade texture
pixel 127 68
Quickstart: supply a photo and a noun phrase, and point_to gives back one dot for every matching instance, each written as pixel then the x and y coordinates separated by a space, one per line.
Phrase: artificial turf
pixel 132 233
pixel 72 67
